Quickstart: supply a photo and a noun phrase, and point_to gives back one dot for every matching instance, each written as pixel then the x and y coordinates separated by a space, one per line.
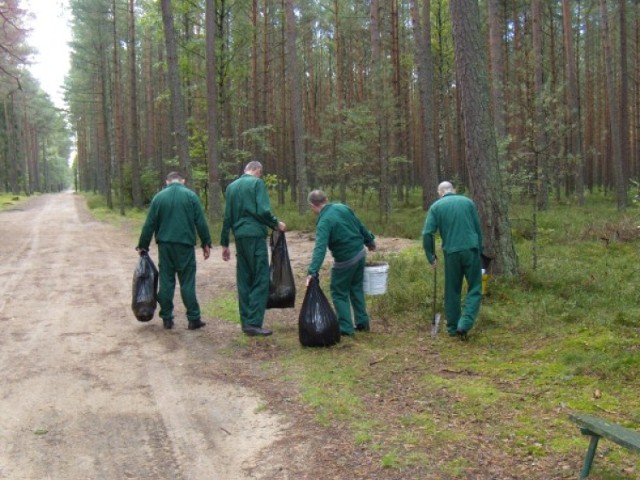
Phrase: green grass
pixel 559 338
pixel 562 337
pixel 8 200
pixel 224 308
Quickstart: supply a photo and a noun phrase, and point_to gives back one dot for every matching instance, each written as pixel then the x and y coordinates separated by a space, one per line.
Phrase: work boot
pixel 363 328
pixel 253 331
pixel 196 324
pixel 168 323
pixel 462 335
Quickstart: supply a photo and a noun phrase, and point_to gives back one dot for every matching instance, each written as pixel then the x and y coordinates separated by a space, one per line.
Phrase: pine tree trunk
pixel 481 148
pixel 424 59
pixel 614 119
pixel 573 105
pixel 496 32
pixel 214 190
pixel 134 133
pixel 177 100
pixel 296 109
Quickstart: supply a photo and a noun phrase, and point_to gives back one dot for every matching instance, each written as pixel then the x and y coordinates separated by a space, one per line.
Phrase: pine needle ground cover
pixel 560 338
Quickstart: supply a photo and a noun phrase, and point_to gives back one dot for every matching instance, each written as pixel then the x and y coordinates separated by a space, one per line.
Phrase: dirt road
pixel 90 393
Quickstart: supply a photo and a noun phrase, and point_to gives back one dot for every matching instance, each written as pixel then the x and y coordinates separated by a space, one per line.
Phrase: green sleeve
pixel 226 222
pixel 428 236
pixel 149 227
pixel 476 221
pixel 369 238
pixel 201 222
pixel 263 205
pixel 320 248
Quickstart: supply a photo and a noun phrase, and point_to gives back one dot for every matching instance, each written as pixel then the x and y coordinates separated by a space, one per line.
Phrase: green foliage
pixel 8 200
pixel 564 337
pixel 558 339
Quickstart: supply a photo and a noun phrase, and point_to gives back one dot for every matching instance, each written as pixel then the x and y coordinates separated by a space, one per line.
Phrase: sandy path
pixel 88 392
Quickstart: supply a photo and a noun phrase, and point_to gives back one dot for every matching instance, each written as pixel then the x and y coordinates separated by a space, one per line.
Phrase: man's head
pixel 444 188
pixel 174 177
pixel 317 199
pixel 254 168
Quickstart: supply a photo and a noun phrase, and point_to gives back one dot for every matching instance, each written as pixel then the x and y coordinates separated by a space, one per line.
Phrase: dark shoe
pixel 256 331
pixel 363 328
pixel 168 323
pixel 196 324
pixel 462 335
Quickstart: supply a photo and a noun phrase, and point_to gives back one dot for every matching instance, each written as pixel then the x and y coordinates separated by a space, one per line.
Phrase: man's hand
pixel 282 226
pixel 372 247
pixel 141 251
pixel 226 254
pixel 206 250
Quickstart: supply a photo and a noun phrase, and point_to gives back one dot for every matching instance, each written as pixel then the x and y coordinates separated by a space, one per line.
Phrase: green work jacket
pixel 456 217
pixel 341 230
pixel 247 210
pixel 174 216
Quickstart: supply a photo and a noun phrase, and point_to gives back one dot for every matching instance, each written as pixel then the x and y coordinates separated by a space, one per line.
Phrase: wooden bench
pixel 597 428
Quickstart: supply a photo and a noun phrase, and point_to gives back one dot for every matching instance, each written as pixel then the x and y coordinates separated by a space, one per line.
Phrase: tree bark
pixel 573 102
pixel 214 190
pixel 496 31
pixel 117 120
pixel 424 59
pixel 134 134
pixel 296 109
pixel 481 147
pixel 378 99
pixel 614 118
pixel 177 100
pixel 540 167
pixel 624 92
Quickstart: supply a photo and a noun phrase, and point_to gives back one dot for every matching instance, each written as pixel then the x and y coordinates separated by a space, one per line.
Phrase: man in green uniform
pixel 456 217
pixel 341 230
pixel 247 213
pixel 174 216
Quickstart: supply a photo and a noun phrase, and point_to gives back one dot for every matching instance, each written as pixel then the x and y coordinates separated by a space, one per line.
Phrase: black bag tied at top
pixel 282 288
pixel 145 289
pixel 317 324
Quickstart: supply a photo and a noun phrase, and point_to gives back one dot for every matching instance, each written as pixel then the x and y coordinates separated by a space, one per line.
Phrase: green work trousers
pixel 177 259
pixel 252 277
pixel 347 293
pixel 458 266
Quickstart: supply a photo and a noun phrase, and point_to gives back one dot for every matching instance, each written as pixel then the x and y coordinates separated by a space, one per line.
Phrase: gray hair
pixel 445 187
pixel 174 177
pixel 317 197
pixel 253 165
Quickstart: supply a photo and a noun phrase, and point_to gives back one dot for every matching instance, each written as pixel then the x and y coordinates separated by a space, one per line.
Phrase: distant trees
pixel 360 97
pixel 34 139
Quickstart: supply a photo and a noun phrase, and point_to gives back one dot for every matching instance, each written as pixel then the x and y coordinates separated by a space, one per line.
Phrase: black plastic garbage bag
pixel 282 288
pixel 145 289
pixel 317 324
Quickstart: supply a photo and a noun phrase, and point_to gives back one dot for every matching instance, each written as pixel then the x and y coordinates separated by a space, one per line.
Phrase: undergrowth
pixel 563 337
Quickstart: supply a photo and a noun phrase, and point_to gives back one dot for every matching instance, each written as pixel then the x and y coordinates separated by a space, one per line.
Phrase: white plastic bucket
pixel 375 278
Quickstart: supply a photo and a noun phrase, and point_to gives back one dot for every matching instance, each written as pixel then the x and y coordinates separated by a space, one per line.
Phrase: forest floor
pixel 91 393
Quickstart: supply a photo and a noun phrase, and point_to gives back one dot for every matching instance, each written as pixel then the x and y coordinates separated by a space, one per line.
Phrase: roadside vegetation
pixel 561 337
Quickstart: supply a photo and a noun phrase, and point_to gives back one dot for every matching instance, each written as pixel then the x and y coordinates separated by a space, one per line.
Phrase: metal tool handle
pixel 435 283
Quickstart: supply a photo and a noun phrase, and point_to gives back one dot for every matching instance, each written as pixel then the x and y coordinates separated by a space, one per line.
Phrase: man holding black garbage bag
pixel 248 213
pixel 457 219
pixel 174 217
pixel 339 229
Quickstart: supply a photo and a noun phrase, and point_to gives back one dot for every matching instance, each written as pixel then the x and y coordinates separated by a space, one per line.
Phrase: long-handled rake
pixel 435 322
